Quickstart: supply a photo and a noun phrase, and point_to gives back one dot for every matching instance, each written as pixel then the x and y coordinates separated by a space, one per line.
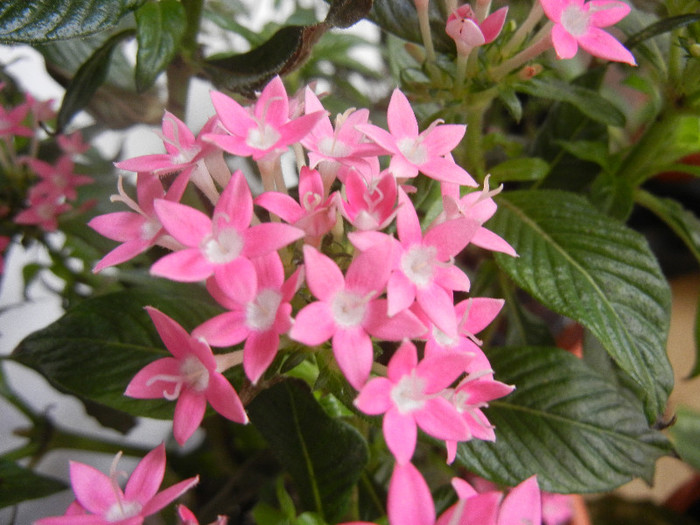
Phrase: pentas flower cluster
pixel 384 276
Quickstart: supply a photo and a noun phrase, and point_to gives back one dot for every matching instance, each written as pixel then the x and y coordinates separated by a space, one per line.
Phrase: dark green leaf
pixel 324 456
pixel 684 433
pixel 589 102
pixel 511 102
pixel 345 13
pixel 95 349
pixel 18 484
pixel 160 28
pixel 35 21
pixel 613 195
pixel 565 423
pixel 591 268
pixel 662 26
pixel 87 79
pixel 524 169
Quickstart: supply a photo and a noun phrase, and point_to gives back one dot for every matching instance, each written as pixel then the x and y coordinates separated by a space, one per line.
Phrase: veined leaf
pixel 160 28
pixel 95 349
pixel 591 268
pixel 563 422
pixel 20 484
pixel 325 456
pixel 45 20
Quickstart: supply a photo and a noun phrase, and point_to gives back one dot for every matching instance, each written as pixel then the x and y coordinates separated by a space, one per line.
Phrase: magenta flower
pixel 258 299
pixel 577 23
pixel 100 500
pixel 468 32
pixel 411 397
pixel 213 243
pixel 349 310
pixel 264 130
pixel 192 374
pixel 140 229
pixel 411 151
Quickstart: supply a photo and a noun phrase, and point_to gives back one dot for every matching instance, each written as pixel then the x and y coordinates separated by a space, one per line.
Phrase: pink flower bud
pixel 468 32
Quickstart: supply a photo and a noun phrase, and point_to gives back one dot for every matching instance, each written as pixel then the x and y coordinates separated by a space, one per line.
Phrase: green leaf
pixel 45 20
pixel 563 422
pixel 613 195
pixel 160 28
pixel 589 102
pixel 591 268
pixel 684 434
pixel 90 76
pixel 95 349
pixel 525 169
pixel 662 26
pixel 20 484
pixel 324 456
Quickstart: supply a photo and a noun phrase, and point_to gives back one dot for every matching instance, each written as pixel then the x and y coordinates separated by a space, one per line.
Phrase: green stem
pixel 474 154
pixel 541 43
pixel 525 28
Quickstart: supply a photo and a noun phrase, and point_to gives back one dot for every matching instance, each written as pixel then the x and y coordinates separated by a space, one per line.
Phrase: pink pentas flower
pixel 468 32
pixel 58 178
pixel 11 122
pixel 72 144
pixel 213 243
pixel 412 151
pixel 349 310
pixel 140 229
pixel 411 397
pixel 43 209
pixel 369 205
pixel 479 206
pixel 192 376
pixel 100 500
pixel 578 23
pixel 257 297
pixel 266 129
pixel 315 213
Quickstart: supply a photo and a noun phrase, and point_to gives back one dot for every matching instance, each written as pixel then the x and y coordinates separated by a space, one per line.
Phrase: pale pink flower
pixel 140 229
pixel 264 130
pixel 258 299
pixel 411 151
pixel 411 396
pixel 58 179
pixel 100 500
pixel 369 205
pixel 349 310
pixel 72 144
pixel 577 23
pixel 479 206
pixel 315 213
pixel 43 209
pixel 191 375
pixel 187 517
pixel 213 243
pixel 468 32
pixel 11 122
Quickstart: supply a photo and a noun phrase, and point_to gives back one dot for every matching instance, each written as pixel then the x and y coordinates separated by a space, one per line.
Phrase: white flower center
pixel 575 21
pixel 223 247
pixel 195 374
pixel 331 147
pixel 263 137
pixel 443 339
pixel 348 308
pixel 122 510
pixel 418 264
pixel 149 229
pixel 413 149
pixel 185 156
pixel 260 314
pixel 408 394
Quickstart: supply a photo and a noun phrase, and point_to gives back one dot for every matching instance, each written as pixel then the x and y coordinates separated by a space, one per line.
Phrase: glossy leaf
pixel 324 456
pixel 20 484
pixel 565 423
pixel 400 18
pixel 45 20
pixel 95 349
pixel 589 102
pixel 524 169
pixel 591 268
pixel 160 28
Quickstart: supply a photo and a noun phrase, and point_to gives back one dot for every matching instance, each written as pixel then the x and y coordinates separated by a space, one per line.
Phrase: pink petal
pixel 409 501
pixel 554 8
pixel 400 116
pixel 446 170
pixel 147 476
pixel 189 412
pixel 444 138
pixel 165 497
pixel 259 351
pixel 601 44
pixel 438 306
pixel 313 325
pixel 295 130
pixel 92 488
pixel 186 266
pixel 404 324
pixel 352 349
pixel 281 205
pixel 564 43
pixel 369 271
pixel 451 278
pixel 442 370
pixel 173 335
pixel 382 137
pixel 407 223
pixel 122 253
pixel 139 386
pixel 403 362
pixel 323 276
pixel 523 504
pixel 269 237
pixel 440 419
pixel 374 398
pixel 238 280
pixel 479 311
pixel 235 205
pixel 185 224
pixel 226 329
pixel 400 434
pixel 270 271
pixel 223 398
pixel 272 105
pixel 463 489
pixel 488 240
pixel 492 25
pixel 605 13
pixel 401 293
pixel 233 116
pixel 119 226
